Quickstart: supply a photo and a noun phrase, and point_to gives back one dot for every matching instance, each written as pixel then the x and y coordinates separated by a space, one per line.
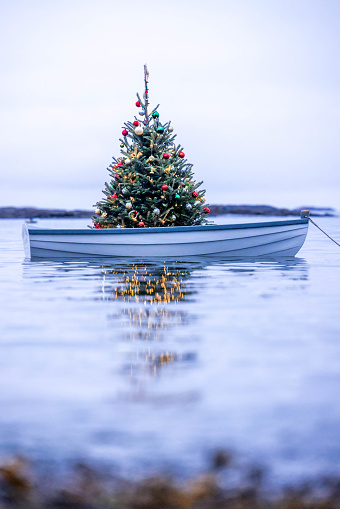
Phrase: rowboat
pixel 264 239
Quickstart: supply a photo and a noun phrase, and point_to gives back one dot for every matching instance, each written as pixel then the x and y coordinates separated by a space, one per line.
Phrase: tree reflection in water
pixel 150 294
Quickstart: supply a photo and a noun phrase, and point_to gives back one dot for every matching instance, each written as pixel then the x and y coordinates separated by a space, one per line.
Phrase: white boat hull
pixel 272 239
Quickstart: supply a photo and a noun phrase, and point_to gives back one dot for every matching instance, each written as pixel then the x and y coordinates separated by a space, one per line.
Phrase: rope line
pixel 311 220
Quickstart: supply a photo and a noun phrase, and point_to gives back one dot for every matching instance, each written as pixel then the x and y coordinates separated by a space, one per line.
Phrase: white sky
pixel 251 87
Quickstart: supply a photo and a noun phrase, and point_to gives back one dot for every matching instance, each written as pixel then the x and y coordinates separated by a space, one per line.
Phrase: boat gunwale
pixel 183 243
pixel 33 230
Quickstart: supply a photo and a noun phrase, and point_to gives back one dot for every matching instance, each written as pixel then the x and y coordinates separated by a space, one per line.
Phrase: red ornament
pixel 125 132
pixel 181 154
pixel 206 210
pixel 117 177
pixel 138 104
pixel 146 91
pixel 135 211
pixel 96 225
pixel 135 123
pixel 195 194
pixel 166 155
pixel 114 196
pixel 141 224
pixel 120 163
pixel 165 187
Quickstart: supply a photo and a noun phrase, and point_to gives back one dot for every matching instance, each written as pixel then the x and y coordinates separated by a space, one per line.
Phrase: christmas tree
pixel 151 182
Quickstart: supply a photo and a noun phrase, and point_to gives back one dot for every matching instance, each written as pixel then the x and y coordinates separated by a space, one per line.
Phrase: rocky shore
pixel 215 210
pixel 87 488
pixel 31 212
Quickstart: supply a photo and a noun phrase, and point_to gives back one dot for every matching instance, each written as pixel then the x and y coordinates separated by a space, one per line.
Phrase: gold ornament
pixel 97 211
pixel 104 215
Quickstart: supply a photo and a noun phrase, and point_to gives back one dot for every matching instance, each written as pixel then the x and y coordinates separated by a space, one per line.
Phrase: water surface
pixel 142 366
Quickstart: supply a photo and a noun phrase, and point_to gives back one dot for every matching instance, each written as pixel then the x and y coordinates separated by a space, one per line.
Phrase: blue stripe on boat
pixel 167 229
pixel 183 243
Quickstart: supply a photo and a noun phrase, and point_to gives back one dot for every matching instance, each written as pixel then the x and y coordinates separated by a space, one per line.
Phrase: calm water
pixel 149 366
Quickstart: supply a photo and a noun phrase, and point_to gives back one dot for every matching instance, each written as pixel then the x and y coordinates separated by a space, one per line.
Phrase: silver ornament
pixel 170 129
pixel 128 205
pixel 173 217
pixel 97 211
pixel 118 226
pixel 156 211
pixel 124 190
pixel 142 113
pixel 127 161
pixel 189 206
pixel 104 215
pixel 139 130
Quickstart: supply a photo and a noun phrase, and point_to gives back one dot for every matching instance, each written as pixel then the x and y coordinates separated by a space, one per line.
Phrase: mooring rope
pixel 311 220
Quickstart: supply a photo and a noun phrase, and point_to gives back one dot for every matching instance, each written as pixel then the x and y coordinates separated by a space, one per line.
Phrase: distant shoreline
pixel 215 210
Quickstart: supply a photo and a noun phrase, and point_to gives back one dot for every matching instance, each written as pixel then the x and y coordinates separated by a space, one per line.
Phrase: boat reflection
pixel 150 306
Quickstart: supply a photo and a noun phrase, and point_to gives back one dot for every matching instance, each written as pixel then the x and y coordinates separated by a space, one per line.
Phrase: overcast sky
pixel 251 86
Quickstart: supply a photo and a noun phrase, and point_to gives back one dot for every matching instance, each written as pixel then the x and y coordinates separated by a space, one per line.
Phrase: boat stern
pixel 26 241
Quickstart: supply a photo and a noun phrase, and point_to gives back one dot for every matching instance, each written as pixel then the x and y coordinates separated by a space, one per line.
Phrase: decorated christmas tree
pixel 151 182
